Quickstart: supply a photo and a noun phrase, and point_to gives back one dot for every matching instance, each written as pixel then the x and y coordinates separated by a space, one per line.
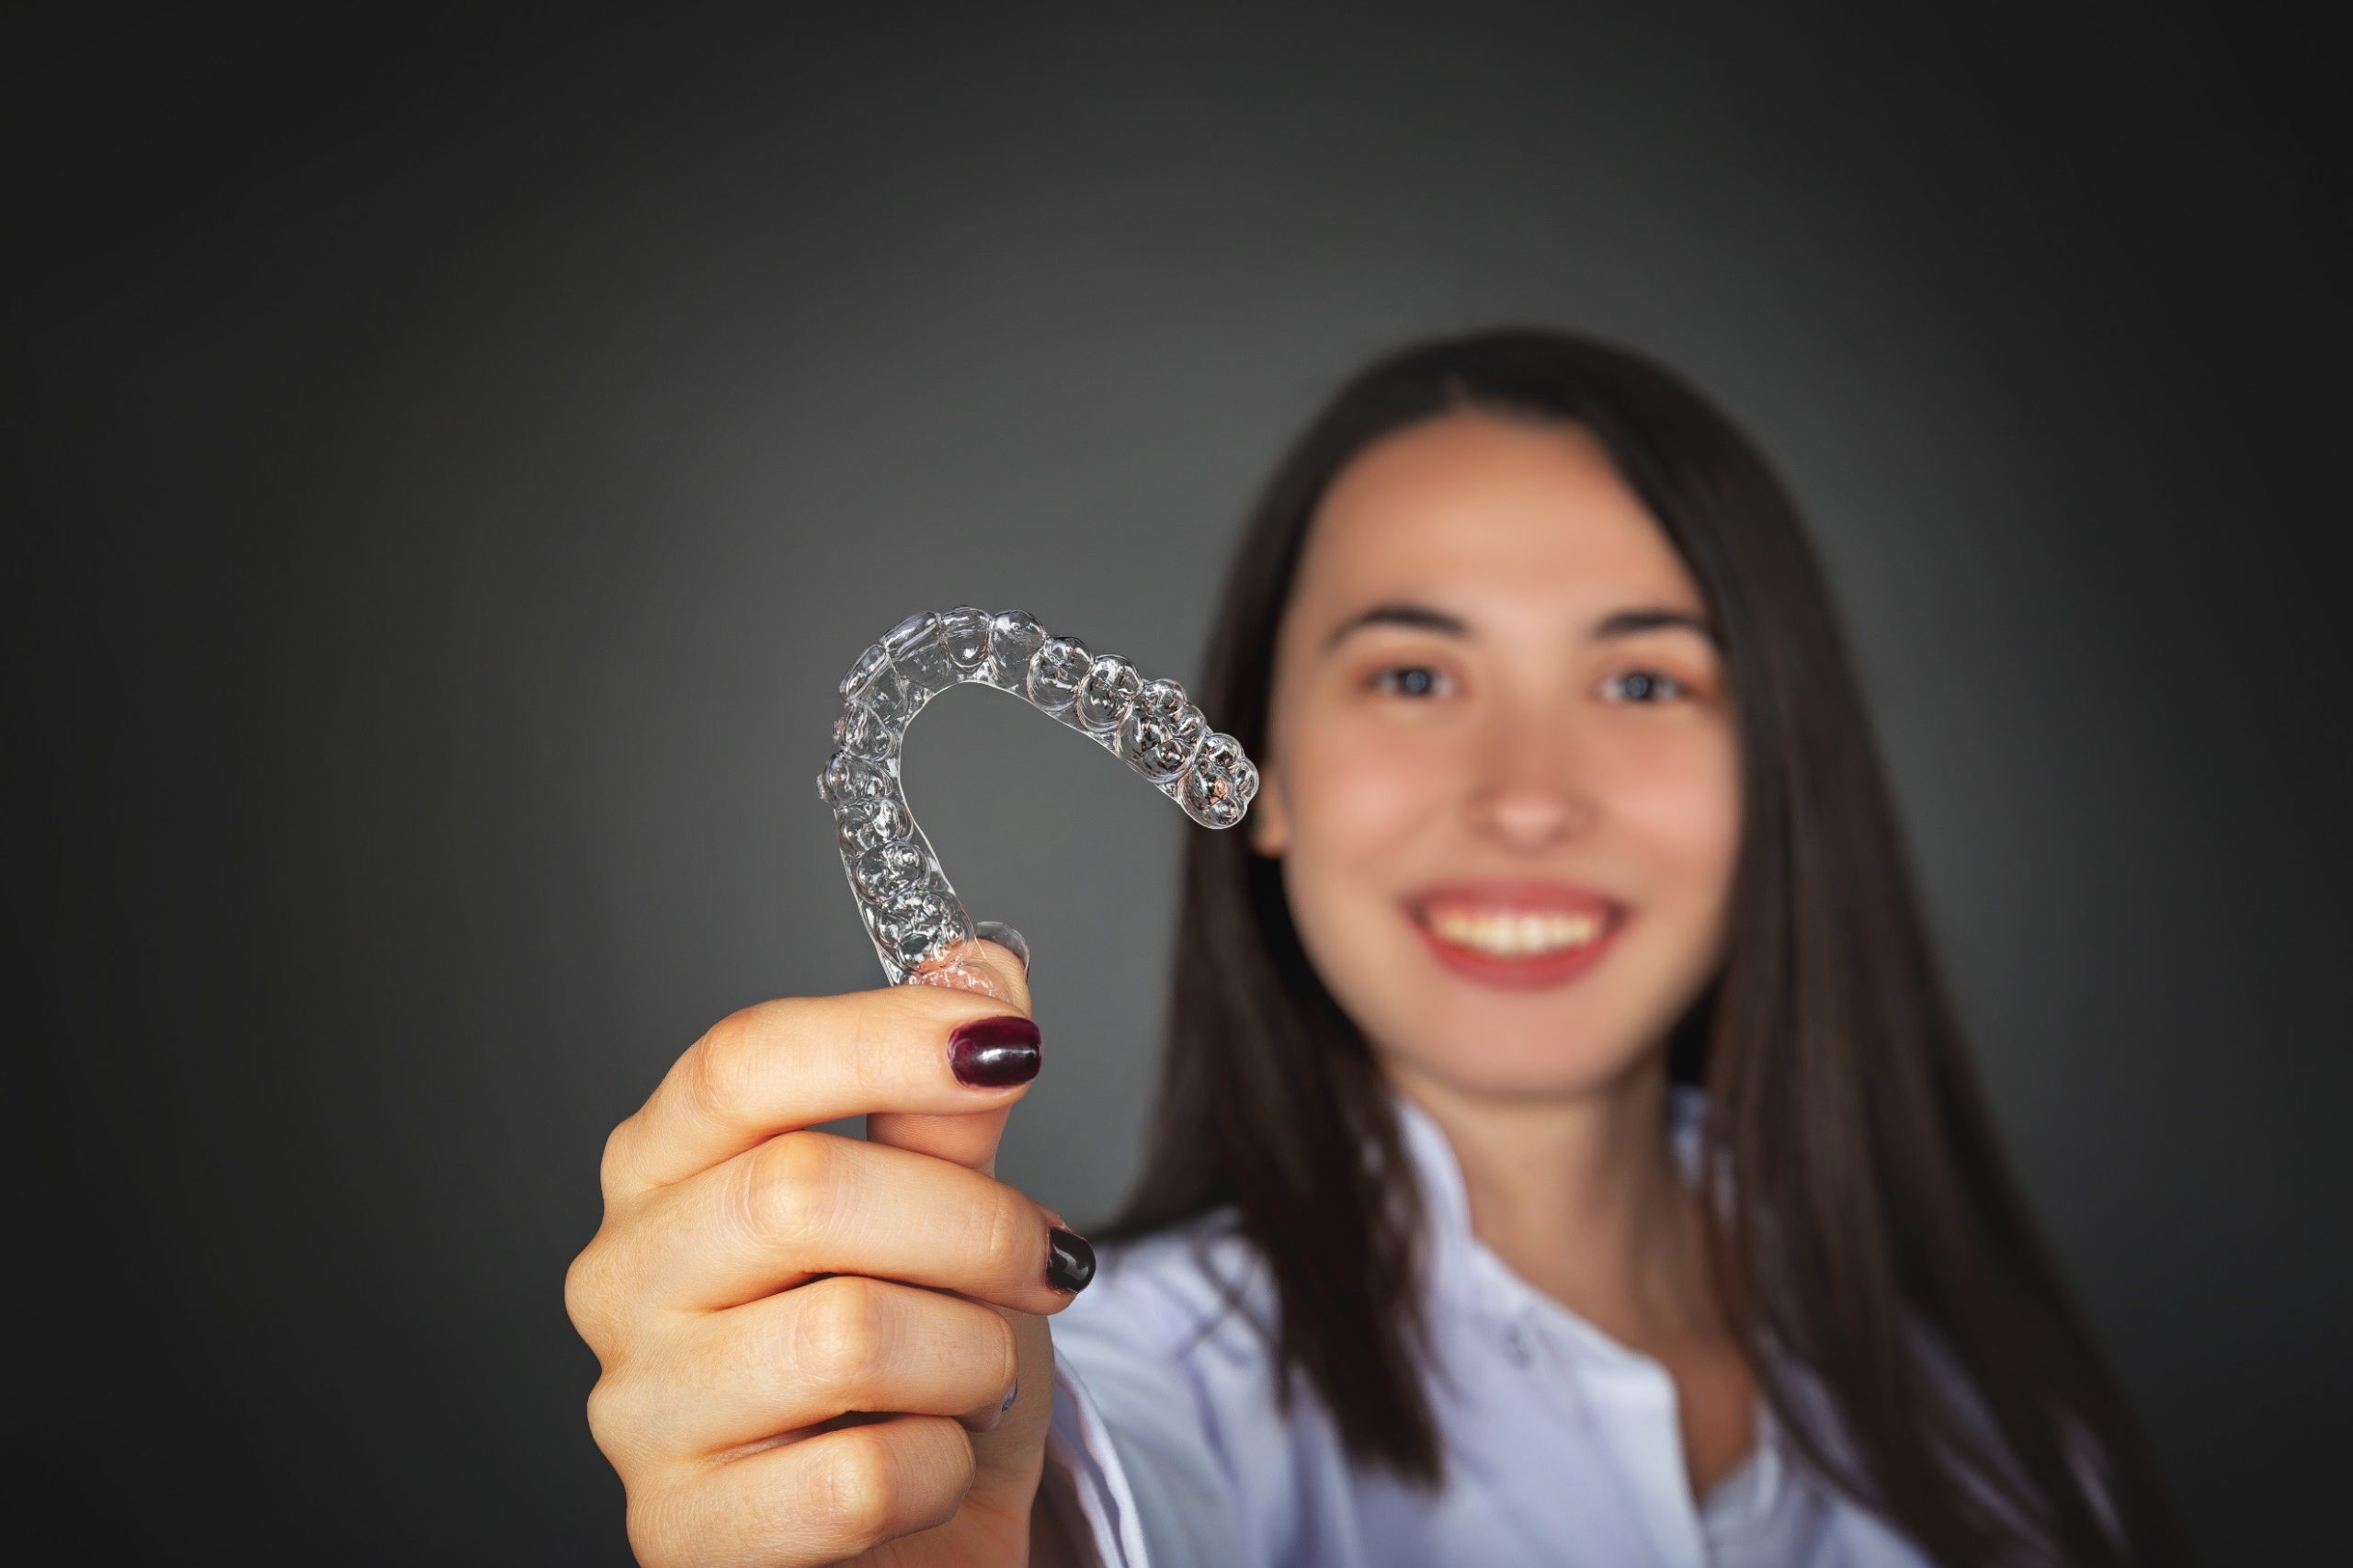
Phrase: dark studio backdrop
pixel 453 461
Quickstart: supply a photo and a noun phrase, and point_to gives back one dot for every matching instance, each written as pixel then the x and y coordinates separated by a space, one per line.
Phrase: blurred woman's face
pixel 1502 770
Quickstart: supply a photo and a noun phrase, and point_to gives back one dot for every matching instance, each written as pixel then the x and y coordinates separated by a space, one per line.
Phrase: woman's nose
pixel 1531 792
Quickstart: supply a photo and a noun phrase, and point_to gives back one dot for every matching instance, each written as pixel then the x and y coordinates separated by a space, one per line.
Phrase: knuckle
pixel 588 1294
pixel 619 1420
pixel 607 1419
pixel 722 1067
pixel 858 1485
pixel 600 1411
pixel 790 1189
pixel 841 1334
pixel 580 1285
pixel 609 1164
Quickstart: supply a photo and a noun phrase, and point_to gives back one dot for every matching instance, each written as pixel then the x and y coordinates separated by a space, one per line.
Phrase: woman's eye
pixel 1408 680
pixel 1646 685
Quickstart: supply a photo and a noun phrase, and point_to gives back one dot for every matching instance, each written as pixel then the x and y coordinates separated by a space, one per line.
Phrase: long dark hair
pixel 1870 1203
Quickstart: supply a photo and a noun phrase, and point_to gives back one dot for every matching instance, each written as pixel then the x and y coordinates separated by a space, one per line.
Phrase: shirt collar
pixel 1439 1171
pixel 1466 1273
pixel 1463 1268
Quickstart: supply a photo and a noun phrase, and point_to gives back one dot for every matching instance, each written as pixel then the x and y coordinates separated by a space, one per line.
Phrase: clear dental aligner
pixel 918 926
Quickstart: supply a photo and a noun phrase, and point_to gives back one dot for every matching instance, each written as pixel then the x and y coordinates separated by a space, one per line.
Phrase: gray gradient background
pixel 458 460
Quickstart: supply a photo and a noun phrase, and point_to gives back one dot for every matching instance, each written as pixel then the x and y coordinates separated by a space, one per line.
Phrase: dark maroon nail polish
pixel 1070 1262
pixel 989 1053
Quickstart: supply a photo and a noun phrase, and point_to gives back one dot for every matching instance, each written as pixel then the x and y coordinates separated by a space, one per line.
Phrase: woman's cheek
pixel 1365 799
pixel 1684 805
pixel 1359 810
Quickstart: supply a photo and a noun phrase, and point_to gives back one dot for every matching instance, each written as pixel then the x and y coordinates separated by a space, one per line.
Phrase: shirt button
pixel 1516 1345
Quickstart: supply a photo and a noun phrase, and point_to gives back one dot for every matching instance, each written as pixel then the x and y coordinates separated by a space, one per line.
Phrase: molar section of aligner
pixel 863 824
pixel 1105 694
pixel 921 920
pixel 914 916
pixel 848 779
pixel 1014 638
pixel 1162 733
pixel 1217 788
pixel 888 870
pixel 921 659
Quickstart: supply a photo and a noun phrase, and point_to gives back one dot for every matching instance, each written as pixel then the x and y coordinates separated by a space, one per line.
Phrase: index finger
pixel 781 1065
pixel 994 969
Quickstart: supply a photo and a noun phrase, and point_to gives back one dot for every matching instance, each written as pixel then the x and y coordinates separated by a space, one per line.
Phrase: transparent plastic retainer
pixel 919 927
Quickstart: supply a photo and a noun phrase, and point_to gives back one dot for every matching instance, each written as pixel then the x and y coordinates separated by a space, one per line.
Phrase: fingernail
pixel 1070 1262
pixel 989 1053
pixel 1005 936
pixel 1010 1395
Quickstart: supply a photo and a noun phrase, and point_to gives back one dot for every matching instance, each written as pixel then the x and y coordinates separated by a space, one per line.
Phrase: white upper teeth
pixel 1516 932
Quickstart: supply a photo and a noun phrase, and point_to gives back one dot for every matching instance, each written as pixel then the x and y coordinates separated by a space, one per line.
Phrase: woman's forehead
pixel 1492 512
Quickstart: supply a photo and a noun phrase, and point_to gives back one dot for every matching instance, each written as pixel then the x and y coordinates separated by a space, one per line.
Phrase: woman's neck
pixel 1582 1197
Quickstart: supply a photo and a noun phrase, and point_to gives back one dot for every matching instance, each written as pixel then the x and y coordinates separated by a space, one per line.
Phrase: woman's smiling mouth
pixel 1508 933
pixel 1516 934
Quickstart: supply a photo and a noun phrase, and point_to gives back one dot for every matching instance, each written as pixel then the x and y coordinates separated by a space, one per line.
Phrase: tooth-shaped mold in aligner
pixel 918 926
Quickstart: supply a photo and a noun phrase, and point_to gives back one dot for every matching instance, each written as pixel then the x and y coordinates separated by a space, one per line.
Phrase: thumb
pixel 994 964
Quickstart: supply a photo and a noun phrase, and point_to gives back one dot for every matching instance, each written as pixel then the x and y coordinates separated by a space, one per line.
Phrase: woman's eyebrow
pixel 1397 614
pixel 1618 623
pixel 1629 622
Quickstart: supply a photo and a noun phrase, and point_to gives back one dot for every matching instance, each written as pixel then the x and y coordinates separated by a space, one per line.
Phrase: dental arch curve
pixel 919 927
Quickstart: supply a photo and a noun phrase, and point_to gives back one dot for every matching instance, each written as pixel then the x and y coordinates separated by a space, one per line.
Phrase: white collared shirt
pixel 1561 1445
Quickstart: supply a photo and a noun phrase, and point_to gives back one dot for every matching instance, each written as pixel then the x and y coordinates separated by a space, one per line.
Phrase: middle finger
pixel 788 1361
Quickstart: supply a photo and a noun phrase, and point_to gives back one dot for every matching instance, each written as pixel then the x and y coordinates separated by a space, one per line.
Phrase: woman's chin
pixel 1510 1066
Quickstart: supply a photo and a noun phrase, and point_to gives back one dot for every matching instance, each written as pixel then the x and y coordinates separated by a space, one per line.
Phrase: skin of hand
pixel 805 1339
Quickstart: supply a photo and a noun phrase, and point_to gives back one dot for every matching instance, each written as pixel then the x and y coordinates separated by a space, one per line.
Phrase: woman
pixel 1567 1152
